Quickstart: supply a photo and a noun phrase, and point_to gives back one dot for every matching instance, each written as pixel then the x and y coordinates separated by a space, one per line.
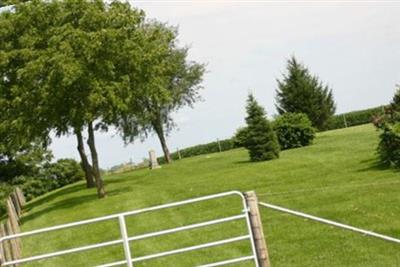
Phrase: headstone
pixel 153 163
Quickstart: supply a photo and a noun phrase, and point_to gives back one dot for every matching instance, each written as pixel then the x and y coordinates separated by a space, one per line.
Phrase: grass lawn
pixel 336 178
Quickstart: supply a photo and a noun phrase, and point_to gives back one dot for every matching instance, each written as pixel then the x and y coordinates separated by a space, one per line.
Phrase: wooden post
pixel 2 254
pixel 344 120
pixel 6 248
pixel 179 153
pixel 11 212
pixel 219 145
pixel 257 229
pixel 13 228
pixel 15 252
pixel 16 204
pixel 21 197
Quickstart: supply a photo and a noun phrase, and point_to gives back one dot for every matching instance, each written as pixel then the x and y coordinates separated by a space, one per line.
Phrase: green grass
pixel 336 178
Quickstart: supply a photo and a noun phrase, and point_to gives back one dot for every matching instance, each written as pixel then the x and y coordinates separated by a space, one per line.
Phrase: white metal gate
pixel 125 239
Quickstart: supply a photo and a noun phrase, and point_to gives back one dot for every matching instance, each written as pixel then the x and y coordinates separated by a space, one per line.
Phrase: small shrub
pixel 240 137
pixel 51 177
pixel 64 171
pixel 293 130
pixel 36 186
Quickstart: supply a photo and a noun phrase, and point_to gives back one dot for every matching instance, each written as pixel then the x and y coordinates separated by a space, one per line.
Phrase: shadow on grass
pixel 53 195
pixel 375 165
pixel 243 162
pixel 68 203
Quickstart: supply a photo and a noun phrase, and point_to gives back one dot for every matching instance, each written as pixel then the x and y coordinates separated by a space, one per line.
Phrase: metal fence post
pixel 124 235
pixel 256 227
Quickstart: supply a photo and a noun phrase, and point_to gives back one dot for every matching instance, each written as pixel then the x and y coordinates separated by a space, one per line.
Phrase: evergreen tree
pixel 261 142
pixel 389 125
pixel 301 92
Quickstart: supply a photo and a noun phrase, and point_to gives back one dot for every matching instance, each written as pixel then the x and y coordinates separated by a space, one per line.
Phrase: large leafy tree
pixel 71 66
pixel 301 92
pixel 261 140
pixel 178 81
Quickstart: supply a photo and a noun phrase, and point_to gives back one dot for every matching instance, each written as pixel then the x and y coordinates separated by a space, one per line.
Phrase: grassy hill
pixel 336 178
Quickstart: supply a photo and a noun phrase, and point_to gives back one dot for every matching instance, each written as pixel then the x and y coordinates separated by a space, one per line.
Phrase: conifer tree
pixel 301 92
pixel 261 142
pixel 389 125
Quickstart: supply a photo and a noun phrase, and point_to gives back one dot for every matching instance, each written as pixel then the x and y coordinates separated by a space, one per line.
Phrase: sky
pixel 353 46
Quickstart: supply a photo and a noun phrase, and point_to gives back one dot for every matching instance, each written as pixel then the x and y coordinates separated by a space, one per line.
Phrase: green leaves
pixel 301 92
pixel 261 140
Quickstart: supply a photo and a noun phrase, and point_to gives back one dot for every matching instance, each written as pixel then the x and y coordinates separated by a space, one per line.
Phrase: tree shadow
pixel 67 203
pixel 243 162
pixel 375 165
pixel 53 195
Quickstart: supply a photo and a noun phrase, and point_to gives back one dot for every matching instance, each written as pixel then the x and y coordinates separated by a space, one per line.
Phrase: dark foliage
pixel 301 92
pixel 47 177
pixel 389 125
pixel 261 142
pixel 240 137
pixel 293 130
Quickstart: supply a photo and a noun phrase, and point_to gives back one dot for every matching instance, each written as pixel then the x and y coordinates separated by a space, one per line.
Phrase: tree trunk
pixel 84 161
pixel 95 162
pixel 157 125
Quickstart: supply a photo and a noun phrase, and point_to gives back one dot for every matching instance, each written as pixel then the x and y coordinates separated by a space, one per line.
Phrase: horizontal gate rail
pixel 322 220
pixel 182 250
pixel 187 227
pixel 125 239
pixel 221 263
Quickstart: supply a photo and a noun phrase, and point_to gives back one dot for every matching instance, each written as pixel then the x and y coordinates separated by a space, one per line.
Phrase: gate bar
pixel 115 216
pixel 322 220
pixel 221 263
pixel 124 235
pixel 181 250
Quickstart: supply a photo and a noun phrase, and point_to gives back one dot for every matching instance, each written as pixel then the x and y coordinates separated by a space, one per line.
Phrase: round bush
pixel 293 130
pixel 389 145
pixel 240 137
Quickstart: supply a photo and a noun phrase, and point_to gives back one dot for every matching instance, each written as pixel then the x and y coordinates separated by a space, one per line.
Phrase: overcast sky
pixel 351 46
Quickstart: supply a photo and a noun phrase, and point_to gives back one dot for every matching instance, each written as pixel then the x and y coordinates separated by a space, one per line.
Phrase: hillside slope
pixel 336 178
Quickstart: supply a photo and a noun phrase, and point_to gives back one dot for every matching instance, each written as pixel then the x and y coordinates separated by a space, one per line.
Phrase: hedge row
pixel 202 149
pixel 353 118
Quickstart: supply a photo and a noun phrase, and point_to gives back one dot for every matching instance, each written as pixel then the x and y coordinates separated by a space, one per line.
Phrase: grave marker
pixel 153 163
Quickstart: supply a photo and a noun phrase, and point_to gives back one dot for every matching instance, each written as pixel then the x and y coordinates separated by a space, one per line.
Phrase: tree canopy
pixel 69 66
pixel 179 79
pixel 301 92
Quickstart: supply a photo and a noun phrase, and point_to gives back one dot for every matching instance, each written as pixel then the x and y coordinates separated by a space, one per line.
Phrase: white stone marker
pixel 153 163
